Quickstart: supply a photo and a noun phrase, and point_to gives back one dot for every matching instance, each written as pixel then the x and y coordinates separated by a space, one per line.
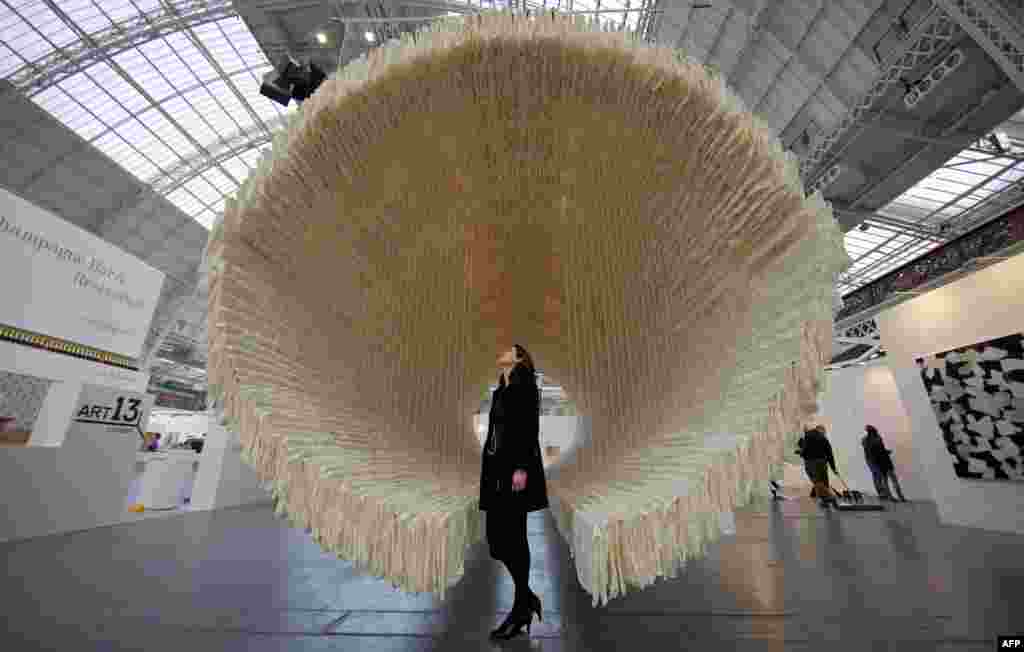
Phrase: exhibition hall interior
pixel 376 325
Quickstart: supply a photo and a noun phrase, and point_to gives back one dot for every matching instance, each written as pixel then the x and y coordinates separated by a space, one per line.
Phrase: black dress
pixel 513 443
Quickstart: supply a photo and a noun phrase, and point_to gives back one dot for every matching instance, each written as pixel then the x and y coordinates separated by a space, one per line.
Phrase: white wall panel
pixel 857 396
pixel 983 306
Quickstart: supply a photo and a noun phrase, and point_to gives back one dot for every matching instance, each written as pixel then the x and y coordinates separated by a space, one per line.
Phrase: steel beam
pixel 824 80
pixel 964 116
pixel 921 231
pixel 201 47
pixel 131 81
pixel 863 328
pixel 249 138
pixel 924 40
pixel 991 208
pixel 999 35
pixel 107 43
pixel 916 130
pixel 867 341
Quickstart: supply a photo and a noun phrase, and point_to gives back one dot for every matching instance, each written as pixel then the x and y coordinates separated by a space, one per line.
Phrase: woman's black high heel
pixel 503 627
pixel 535 606
pixel 515 628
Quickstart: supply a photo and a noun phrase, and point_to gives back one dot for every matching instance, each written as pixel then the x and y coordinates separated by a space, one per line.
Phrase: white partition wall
pixel 983 306
pixel 860 395
pixel 81 482
pixel 175 425
pixel 224 479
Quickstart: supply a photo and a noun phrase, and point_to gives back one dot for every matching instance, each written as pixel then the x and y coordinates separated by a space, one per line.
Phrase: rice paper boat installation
pixel 605 202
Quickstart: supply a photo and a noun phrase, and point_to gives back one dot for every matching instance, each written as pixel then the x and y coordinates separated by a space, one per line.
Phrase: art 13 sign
pixel 114 410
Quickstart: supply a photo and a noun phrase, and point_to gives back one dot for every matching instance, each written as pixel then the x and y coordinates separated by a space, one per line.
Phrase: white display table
pixel 165 478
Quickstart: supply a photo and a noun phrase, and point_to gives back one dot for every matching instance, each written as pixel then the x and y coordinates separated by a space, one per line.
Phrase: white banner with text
pixel 62 281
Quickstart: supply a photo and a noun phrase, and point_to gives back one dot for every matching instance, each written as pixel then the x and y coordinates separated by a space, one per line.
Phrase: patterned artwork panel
pixel 977 393
pixel 21 398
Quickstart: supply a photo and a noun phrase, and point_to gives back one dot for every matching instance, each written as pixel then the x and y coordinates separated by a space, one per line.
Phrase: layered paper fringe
pixel 350 340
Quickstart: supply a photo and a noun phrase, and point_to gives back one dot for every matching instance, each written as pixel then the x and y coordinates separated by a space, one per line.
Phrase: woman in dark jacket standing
pixel 879 459
pixel 512 480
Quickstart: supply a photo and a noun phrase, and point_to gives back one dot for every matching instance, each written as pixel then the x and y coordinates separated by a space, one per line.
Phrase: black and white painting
pixel 977 393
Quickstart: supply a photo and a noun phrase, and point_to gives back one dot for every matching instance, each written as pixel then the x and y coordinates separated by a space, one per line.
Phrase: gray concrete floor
pixel 792 578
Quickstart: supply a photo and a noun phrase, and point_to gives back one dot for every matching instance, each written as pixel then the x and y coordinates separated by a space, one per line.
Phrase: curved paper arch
pixel 606 204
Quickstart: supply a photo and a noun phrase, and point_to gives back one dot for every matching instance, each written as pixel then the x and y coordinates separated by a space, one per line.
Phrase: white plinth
pixel 164 477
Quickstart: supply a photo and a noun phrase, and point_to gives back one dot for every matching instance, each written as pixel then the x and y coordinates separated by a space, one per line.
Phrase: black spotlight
pixel 291 81
pixel 273 88
pixel 309 80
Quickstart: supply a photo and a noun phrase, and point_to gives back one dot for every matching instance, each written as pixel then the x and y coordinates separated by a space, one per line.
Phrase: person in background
pixel 154 444
pixel 816 450
pixel 879 459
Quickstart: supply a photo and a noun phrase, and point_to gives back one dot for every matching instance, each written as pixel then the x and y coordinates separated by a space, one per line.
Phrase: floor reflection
pixel 792 578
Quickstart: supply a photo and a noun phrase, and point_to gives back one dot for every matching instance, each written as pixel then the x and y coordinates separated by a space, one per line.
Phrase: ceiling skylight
pixel 613 19
pixel 181 111
pixel 161 109
pixel 969 188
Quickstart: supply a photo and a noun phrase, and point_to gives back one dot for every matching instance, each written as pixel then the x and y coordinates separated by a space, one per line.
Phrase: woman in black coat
pixel 879 459
pixel 512 480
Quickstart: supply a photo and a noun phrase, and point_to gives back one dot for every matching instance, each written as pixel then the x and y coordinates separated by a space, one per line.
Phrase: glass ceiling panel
pixel 9 61
pixel 875 263
pixel 948 195
pixel 189 203
pixel 958 175
pixel 203 191
pixel 175 71
pixel 87 16
pixel 122 11
pixel 147 5
pixel 237 168
pixel 220 180
pixel 17 21
pixel 206 218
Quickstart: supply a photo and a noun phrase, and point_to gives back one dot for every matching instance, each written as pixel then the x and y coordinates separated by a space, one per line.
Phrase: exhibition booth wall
pixel 73 321
pixel 860 395
pixel 175 425
pixel 986 305
pixel 87 480
pixel 79 478
pixel 224 479
pixel 72 409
